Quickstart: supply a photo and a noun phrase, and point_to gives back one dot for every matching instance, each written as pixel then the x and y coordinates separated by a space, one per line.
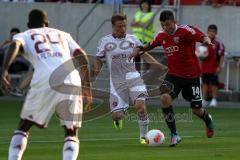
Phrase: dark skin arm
pixel 82 59
pixel 10 56
pixel 97 67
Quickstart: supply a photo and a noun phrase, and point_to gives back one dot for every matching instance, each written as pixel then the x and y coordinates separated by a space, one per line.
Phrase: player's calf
pixel 207 118
pixel 71 144
pixel 18 145
pixel 70 148
pixel 143 120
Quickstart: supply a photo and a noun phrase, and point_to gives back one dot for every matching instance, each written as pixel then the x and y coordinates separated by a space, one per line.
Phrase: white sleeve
pixel 137 41
pixel 21 38
pixel 73 46
pixel 101 49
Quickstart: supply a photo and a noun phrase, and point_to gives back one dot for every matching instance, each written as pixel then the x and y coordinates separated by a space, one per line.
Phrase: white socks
pixel 70 148
pixel 18 145
pixel 143 126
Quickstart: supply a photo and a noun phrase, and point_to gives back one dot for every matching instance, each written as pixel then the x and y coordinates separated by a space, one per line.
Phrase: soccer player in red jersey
pixel 178 42
pixel 211 66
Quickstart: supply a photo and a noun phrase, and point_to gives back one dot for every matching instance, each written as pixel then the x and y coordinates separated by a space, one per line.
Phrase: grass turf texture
pixel 100 141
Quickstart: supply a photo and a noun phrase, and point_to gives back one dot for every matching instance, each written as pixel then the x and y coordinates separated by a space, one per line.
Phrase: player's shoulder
pixel 218 40
pixel 106 38
pixel 160 35
pixel 131 36
pixel 186 28
pixel 57 31
pixel 19 35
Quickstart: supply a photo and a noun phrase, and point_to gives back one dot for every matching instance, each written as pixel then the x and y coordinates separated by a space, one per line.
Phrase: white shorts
pixel 124 94
pixel 40 105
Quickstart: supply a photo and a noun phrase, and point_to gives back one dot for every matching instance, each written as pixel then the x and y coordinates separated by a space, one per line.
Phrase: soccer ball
pixel 202 52
pixel 155 137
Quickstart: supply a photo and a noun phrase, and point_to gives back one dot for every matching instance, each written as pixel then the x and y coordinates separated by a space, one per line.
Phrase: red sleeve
pixel 221 49
pixel 157 41
pixel 194 33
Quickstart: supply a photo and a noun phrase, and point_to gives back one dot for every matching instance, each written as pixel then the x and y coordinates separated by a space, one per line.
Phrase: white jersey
pixel 47 49
pixel 117 52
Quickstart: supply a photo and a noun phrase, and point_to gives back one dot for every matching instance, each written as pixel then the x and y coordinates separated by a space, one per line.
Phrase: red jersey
pixel 180 50
pixel 215 51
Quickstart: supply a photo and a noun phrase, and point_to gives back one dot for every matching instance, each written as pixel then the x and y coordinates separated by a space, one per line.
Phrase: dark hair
pixel 149 5
pixel 166 15
pixel 17 30
pixel 213 27
pixel 37 18
pixel 118 17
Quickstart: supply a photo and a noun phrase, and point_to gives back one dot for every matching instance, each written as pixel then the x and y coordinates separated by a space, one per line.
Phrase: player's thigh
pixel 39 106
pixel 119 99
pixel 69 109
pixel 192 92
pixel 137 90
pixel 172 85
pixel 214 80
pixel 206 78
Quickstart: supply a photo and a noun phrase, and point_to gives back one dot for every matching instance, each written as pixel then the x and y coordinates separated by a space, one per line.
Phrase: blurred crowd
pixel 214 3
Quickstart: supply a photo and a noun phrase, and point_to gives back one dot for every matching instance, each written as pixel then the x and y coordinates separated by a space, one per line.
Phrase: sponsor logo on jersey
pixel 115 104
pixel 171 49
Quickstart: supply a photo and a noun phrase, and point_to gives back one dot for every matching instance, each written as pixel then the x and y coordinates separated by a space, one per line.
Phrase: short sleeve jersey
pixel 215 51
pixel 47 49
pixel 117 52
pixel 179 49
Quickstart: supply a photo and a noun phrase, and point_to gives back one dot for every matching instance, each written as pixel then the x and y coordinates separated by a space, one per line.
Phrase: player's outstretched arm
pixel 151 60
pixel 85 75
pixel 139 50
pixel 10 56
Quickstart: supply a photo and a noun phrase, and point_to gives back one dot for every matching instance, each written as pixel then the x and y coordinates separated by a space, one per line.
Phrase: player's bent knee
pixel 70 132
pixel 197 111
pixel 140 106
pixel 25 125
pixel 166 100
pixel 196 104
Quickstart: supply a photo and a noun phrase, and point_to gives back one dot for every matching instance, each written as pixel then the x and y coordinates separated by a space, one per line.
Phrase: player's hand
pixel 207 41
pixel 87 97
pixel 218 70
pixel 134 54
pixel 5 84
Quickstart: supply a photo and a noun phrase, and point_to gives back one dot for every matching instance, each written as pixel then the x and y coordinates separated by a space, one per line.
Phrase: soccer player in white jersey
pixel 49 50
pixel 125 80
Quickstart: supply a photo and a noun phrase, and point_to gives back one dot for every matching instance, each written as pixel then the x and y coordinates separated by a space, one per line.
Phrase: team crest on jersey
pixel 176 39
pixel 110 46
pixel 115 104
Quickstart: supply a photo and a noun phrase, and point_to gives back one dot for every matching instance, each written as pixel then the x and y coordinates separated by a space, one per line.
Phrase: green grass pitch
pixel 99 140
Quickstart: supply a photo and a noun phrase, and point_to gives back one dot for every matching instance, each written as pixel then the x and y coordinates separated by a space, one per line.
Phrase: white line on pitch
pixel 87 140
